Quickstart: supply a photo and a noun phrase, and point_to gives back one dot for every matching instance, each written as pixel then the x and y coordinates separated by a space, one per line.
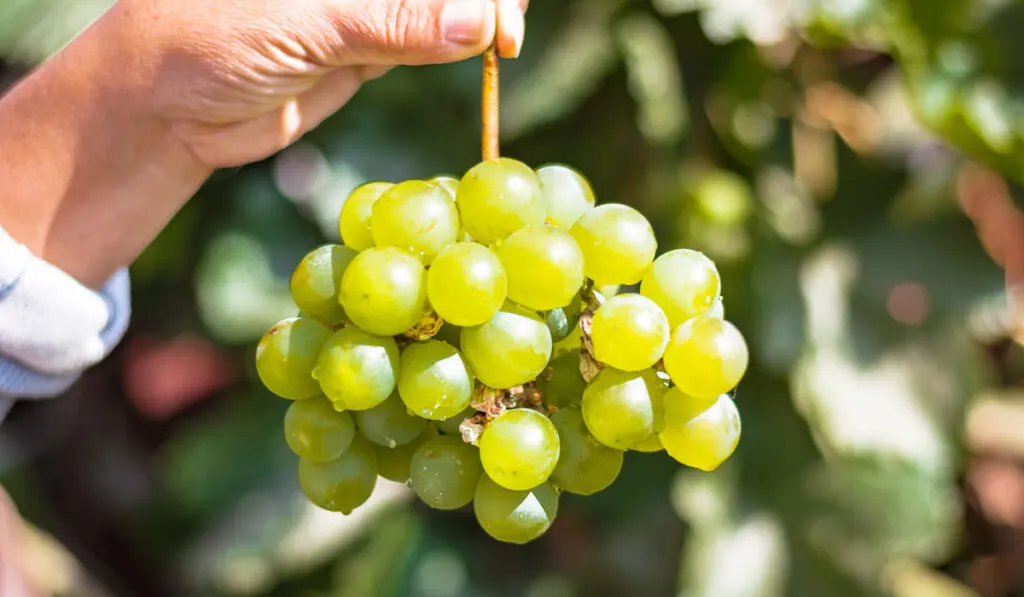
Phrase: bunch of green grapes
pixel 459 341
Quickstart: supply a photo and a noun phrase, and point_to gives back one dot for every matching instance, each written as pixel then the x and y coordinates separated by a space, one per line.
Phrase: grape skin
pixel 358 370
pixel 586 466
pixel 450 426
pixel 389 423
pixel 544 267
pixel 394 464
pixel 684 283
pixel 651 444
pixel 623 408
pixel 316 431
pixel 384 291
pixel 466 284
pixel 498 197
pixel 617 242
pixel 316 280
pixel 433 380
pixel 630 332
pixel 512 348
pixel 417 216
pixel 448 183
pixel 516 517
pixel 287 355
pixel 354 223
pixel 444 472
pixel 567 195
pixel 706 357
pixel 561 383
pixel 342 484
pixel 519 449
pixel 700 433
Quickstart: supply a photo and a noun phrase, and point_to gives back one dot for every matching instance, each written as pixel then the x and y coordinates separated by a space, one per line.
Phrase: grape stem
pixel 491 149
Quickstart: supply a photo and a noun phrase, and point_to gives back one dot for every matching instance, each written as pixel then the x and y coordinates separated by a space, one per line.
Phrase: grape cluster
pixel 469 339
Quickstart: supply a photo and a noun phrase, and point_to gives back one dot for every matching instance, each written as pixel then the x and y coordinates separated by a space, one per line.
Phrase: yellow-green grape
pixel 354 223
pixel 623 408
pixel 717 310
pixel 519 449
pixel 684 283
pixel 700 433
pixel 450 334
pixel 514 516
pixel 342 484
pixel 706 357
pixel 316 431
pixel 466 284
pixel 316 281
pixel 450 426
pixel 586 466
pixel 617 242
pixel 287 355
pixel 433 381
pixel 651 444
pixel 448 183
pixel 544 267
pixel 389 423
pixel 512 348
pixel 498 197
pixel 417 216
pixel 629 332
pixel 564 320
pixel 444 472
pixel 561 384
pixel 393 464
pixel 567 195
pixel 384 291
pixel 356 370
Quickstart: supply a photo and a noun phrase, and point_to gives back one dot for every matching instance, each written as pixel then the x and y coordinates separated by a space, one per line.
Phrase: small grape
pixel 514 516
pixel 512 348
pixel 466 284
pixel 394 463
pixel 356 370
pixel 448 183
pixel 450 334
pixel 354 223
pixel 684 283
pixel 544 267
pixel 700 433
pixel 342 484
pixel 519 449
pixel 444 472
pixel 651 444
pixel 389 423
pixel 498 197
pixel 717 310
pixel 561 384
pixel 586 466
pixel 450 426
pixel 316 281
pixel 316 431
pixel 287 355
pixel 617 242
pixel 706 357
pixel 417 216
pixel 567 195
pixel 629 332
pixel 384 291
pixel 563 320
pixel 433 380
pixel 623 408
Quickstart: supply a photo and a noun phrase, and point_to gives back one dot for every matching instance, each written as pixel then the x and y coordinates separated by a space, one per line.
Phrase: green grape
pixel 356 370
pixel 706 357
pixel 684 283
pixel 561 384
pixel 617 242
pixel 651 444
pixel 448 183
pixel 567 195
pixel 544 267
pixel 514 516
pixel 354 223
pixel 563 320
pixel 450 334
pixel 342 484
pixel 433 380
pixel 316 431
pixel 586 466
pixel 510 349
pixel 444 472
pixel 717 310
pixel 623 408
pixel 450 426
pixel 629 332
pixel 417 216
pixel 389 423
pixel 394 463
pixel 287 354
pixel 316 281
pixel 466 284
pixel 700 433
pixel 519 449
pixel 498 197
pixel 384 291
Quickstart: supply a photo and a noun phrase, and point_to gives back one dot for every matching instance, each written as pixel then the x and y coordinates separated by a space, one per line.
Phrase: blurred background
pixel 852 166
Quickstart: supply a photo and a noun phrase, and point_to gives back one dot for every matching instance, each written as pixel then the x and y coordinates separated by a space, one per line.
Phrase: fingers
pixel 511 27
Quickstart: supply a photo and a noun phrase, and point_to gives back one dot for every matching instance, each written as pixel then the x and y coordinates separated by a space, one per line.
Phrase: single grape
pixel 629 332
pixel 700 433
pixel 444 472
pixel 544 267
pixel 706 357
pixel 389 423
pixel 316 281
pixel 651 444
pixel 623 408
pixel 450 426
pixel 394 463
pixel 586 466
pixel 717 310
pixel 684 283
pixel 356 370
pixel 433 380
pixel 342 484
pixel 384 291
pixel 519 449
pixel 498 197
pixel 514 516
pixel 567 195
pixel 561 384
pixel 563 320
pixel 316 431
pixel 466 284
pixel 354 223
pixel 417 216
pixel 451 334
pixel 512 348
pixel 617 242
pixel 287 355
pixel 448 183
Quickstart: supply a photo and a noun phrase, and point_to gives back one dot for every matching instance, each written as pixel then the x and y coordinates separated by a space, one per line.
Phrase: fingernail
pixel 510 18
pixel 463 21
